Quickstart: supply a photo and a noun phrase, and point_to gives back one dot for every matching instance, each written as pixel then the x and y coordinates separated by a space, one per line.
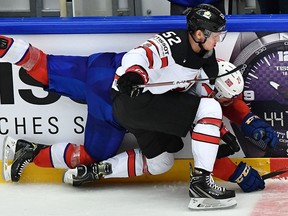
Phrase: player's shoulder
pixel 178 43
pixel 182 33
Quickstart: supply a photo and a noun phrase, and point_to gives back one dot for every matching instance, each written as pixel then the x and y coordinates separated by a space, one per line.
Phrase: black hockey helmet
pixel 205 17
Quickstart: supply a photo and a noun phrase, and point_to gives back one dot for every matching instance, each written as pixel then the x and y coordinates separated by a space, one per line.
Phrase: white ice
pixel 168 199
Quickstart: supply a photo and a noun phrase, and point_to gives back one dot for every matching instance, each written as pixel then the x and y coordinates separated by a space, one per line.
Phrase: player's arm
pixel 244 175
pixel 251 125
pixel 236 111
pixel 138 62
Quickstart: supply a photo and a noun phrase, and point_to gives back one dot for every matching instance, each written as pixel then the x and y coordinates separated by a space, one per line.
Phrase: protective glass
pixel 218 36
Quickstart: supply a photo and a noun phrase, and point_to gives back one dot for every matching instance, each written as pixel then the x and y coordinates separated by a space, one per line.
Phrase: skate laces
pixel 101 169
pixel 95 169
pixel 19 162
pixel 211 183
pixel 22 166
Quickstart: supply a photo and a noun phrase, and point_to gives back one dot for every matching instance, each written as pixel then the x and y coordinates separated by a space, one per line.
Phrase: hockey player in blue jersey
pixel 86 79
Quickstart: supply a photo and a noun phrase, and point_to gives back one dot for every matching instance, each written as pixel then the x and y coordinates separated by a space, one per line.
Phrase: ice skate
pixel 205 194
pixel 21 152
pixel 84 174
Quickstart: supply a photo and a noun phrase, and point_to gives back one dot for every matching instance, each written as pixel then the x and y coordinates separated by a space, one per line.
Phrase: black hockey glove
pixel 224 150
pixel 134 76
pixel 230 147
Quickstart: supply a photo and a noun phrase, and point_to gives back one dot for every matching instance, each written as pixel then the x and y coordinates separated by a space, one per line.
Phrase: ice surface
pixel 168 199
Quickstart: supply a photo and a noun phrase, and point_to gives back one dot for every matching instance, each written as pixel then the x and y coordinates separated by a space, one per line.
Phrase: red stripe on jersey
pixel 116 77
pixel 207 88
pixel 154 46
pixel 212 121
pixel 219 59
pixel 131 163
pixel 205 138
pixel 164 62
pixel 149 55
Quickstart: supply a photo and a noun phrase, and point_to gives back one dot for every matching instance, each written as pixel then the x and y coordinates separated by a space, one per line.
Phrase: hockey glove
pixel 247 178
pixel 231 145
pixel 230 139
pixel 224 150
pixel 135 75
pixel 256 128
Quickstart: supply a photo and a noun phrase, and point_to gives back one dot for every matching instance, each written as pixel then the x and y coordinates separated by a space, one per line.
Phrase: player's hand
pixel 230 147
pixel 256 128
pixel 224 150
pixel 247 178
pixel 127 83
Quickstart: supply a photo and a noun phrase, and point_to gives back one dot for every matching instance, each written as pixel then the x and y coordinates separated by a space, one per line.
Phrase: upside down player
pixel 46 69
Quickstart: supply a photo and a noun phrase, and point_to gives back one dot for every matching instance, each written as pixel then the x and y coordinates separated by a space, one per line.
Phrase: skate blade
pixel 210 203
pixel 9 147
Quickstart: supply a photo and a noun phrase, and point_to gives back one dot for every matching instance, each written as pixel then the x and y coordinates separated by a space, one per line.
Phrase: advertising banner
pixel 265 69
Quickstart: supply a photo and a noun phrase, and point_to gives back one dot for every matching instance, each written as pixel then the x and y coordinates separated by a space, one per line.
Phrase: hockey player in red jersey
pixel 181 55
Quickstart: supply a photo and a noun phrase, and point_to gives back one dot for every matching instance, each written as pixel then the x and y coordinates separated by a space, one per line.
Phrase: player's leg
pixel 22 152
pixel 58 155
pixel 102 140
pixel 83 78
pixel 62 155
pixel 103 134
pixel 205 142
pixel 244 175
pixel 124 165
pixel 58 73
pixel 155 158
pixel 21 53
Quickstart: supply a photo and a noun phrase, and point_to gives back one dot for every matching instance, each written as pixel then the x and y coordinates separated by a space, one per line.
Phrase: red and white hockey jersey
pixel 168 56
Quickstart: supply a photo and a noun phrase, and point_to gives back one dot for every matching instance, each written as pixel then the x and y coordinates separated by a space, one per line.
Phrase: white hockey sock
pixel 126 164
pixel 206 134
pixel 134 163
pixel 58 155
pixel 204 152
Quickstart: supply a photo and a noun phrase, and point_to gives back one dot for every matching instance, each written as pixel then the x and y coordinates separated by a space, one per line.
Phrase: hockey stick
pixel 275 173
pixel 186 81
pixel 259 144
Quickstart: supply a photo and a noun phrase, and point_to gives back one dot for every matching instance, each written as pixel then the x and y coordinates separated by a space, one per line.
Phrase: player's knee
pixel 208 108
pixel 160 164
pixel 100 154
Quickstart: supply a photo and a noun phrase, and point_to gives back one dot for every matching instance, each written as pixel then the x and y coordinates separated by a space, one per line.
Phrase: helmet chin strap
pixel 203 52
